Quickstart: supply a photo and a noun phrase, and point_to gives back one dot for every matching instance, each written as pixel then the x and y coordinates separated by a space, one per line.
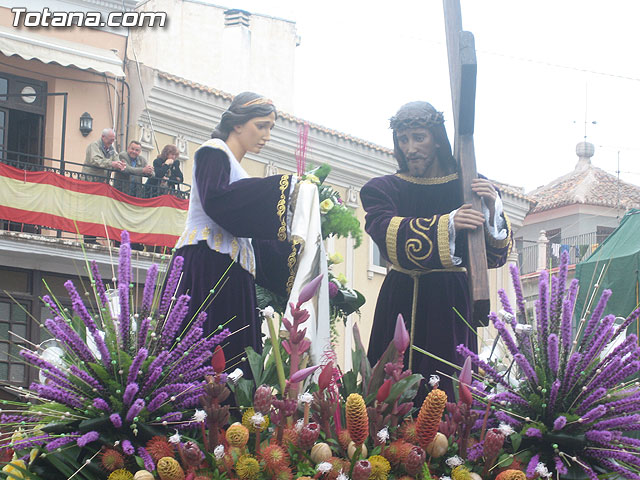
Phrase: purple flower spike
pixel 52 305
pixel 116 420
pixel 146 458
pixel 309 290
pixel 401 336
pixel 100 404
pixel 88 438
pixel 149 289
pixel 517 286
pixel 552 352
pixel 174 321
pixel 136 364
pixel 102 293
pixel 129 393
pixel 559 423
pixel 135 409
pixel 171 285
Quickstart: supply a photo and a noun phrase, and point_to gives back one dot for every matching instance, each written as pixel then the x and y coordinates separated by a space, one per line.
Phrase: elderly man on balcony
pixel 101 158
pixel 129 180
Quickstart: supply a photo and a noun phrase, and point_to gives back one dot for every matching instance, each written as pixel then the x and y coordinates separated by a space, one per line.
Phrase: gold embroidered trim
pixel 205 233
pixel 500 243
pixel 234 249
pixel 427 181
pixel 419 273
pixel 192 236
pixel 292 263
pixel 414 246
pixel 281 209
pixel 392 239
pixel 217 241
pixel 443 241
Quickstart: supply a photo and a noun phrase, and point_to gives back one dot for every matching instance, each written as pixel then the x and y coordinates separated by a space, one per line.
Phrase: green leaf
pixel 255 363
pixel 97 424
pixel 140 462
pixel 505 460
pixel 405 384
pixel 516 439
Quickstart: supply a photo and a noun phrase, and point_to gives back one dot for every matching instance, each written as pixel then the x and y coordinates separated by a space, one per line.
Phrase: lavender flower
pixel 143 330
pixel 135 409
pixel 62 331
pixel 149 289
pixel 171 417
pixel 36 361
pixel 140 357
pixel 533 433
pixel 127 447
pixel 504 334
pixel 129 393
pixel 567 314
pixel 543 302
pixel 593 414
pixel 171 285
pixel 87 438
pixel 560 422
pixel 531 467
pixel 592 398
pixel 57 394
pixel 100 404
pixel 630 319
pixel 102 293
pixel 157 401
pixel 504 300
pixel 52 305
pixel 183 345
pixel 61 441
pixel 116 420
pixel 553 396
pixel 81 310
pixel 151 380
pixel 597 314
pixel 146 458
pixel 526 367
pixel 86 378
pixel 174 320
pixel 515 276
pixel 552 352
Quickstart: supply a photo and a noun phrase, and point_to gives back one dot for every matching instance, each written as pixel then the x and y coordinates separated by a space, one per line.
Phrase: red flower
pixel 383 393
pixel 218 361
pixel 324 380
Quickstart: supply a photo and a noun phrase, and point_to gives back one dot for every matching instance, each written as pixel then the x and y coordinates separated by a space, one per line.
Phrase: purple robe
pixel 245 208
pixel 408 218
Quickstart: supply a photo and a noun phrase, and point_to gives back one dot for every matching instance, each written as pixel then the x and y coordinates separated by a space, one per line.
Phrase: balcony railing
pixel 579 247
pixel 31 202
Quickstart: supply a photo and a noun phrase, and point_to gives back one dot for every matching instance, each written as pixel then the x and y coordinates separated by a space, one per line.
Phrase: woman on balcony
pixel 167 172
pixel 237 227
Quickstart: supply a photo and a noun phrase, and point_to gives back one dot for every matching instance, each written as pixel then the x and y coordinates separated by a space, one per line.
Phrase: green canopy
pixel 614 265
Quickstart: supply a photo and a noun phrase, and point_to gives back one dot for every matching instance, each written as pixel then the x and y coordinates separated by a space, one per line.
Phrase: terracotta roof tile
pixel 288 116
pixel 588 186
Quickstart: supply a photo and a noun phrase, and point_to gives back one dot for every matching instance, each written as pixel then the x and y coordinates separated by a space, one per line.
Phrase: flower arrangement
pixel 114 378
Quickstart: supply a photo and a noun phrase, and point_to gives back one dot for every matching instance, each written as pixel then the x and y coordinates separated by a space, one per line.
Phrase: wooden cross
pixel 462 75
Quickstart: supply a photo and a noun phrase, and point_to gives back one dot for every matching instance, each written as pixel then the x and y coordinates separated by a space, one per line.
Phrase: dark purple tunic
pixel 408 218
pixel 245 208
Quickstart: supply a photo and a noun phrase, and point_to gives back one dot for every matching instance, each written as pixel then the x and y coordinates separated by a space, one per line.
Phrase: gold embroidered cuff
pixel 392 239
pixel 443 241
pixel 281 209
pixel 500 243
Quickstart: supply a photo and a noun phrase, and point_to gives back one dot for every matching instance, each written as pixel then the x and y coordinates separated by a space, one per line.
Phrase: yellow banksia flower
pixel 430 415
pixel 460 473
pixel 380 467
pixel 248 467
pixel 120 474
pixel 512 475
pixel 169 469
pixel 237 435
pixel 357 418
pixel 250 420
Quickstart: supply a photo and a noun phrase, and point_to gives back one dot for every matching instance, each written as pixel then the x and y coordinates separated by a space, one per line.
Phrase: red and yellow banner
pixel 58 202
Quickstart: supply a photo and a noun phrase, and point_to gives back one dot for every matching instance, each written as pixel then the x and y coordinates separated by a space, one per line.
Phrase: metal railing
pixel 578 246
pixel 528 259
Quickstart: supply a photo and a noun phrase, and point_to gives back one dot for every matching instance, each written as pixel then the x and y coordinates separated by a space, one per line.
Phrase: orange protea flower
pixel 408 431
pixel 247 467
pixel 430 416
pixel 159 447
pixel 111 459
pixel 344 439
pixel 512 475
pixel 274 457
pixel 397 451
pixel 380 467
pixel 357 418
pixel 237 435
pixel 283 473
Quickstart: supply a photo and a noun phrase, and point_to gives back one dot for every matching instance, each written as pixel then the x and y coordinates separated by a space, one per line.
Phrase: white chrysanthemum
pixel 257 420
pixel 268 312
pixel 199 416
pixel 219 452
pixel 175 438
pixel 305 397
pixel 454 461
pixel 324 467
pixel 505 429
pixel 434 380
pixel 342 476
pixel 383 435
pixel 542 470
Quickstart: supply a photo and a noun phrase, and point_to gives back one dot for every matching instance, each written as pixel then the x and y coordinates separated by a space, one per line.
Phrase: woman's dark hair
pixel 422 115
pixel 244 107
pixel 168 150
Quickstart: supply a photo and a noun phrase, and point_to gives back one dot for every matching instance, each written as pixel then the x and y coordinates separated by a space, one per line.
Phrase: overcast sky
pixel 540 64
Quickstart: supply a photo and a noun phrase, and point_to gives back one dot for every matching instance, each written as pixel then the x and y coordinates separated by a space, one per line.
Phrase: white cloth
pixel 497 230
pixel 312 261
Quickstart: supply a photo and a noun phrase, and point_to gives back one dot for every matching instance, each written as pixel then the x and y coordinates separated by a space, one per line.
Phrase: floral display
pixel 561 404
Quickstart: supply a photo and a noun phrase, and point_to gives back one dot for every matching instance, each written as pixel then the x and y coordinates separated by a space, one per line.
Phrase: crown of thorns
pixel 415 119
